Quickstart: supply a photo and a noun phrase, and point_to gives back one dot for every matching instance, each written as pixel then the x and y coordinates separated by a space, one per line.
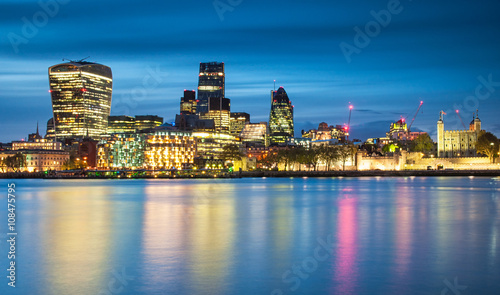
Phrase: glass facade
pixel 147 122
pixel 81 98
pixel 254 134
pixel 188 102
pixel 280 117
pixel 121 124
pixel 211 84
pixel 219 110
pixel 237 122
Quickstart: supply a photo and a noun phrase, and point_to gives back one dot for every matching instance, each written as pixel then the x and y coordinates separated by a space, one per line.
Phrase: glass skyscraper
pixel 81 98
pixel 210 84
pixel 280 117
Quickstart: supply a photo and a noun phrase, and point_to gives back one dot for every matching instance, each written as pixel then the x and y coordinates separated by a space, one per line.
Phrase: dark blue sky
pixel 433 51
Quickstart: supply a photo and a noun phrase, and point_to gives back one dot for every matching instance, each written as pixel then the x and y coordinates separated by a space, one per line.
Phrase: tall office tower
pixel 237 122
pixel 188 102
pixel 219 110
pixel 280 117
pixel 210 84
pixel 81 98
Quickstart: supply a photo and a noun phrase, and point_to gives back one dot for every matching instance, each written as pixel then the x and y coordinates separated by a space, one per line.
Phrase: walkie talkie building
pixel 81 98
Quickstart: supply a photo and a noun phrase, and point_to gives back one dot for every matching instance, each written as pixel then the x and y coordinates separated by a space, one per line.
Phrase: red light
pixel 350 107
pixel 84 90
pixel 197 101
pixel 456 111
pixel 50 91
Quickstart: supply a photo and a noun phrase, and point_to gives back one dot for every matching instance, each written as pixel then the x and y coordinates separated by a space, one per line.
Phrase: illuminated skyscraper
pixel 219 110
pixel 280 117
pixel 81 98
pixel 188 102
pixel 237 122
pixel 210 84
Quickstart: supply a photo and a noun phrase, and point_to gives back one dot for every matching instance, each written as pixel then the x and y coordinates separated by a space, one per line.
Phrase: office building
pixel 219 109
pixel 255 134
pixel 81 98
pixel 121 124
pixel 188 102
pixel 210 84
pixel 237 122
pixel 147 122
pixel 280 117
pixel 51 133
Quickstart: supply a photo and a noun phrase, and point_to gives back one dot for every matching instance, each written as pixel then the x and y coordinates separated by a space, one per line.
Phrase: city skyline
pixel 436 52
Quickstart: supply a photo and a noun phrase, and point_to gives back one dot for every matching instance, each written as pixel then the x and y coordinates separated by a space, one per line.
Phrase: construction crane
pixel 416 113
pixel 456 111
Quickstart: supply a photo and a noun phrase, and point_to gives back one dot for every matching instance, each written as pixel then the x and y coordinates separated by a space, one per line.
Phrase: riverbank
pixel 404 173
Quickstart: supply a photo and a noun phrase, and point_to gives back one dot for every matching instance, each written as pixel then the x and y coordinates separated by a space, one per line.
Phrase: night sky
pixel 435 51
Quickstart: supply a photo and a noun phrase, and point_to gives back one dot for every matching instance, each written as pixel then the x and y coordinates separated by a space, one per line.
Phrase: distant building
pixel 211 83
pixel 121 124
pixel 457 143
pixel 35 136
pixel 255 134
pixel 211 144
pixel 124 124
pixel 219 109
pixel 38 160
pixel 188 102
pixel 160 149
pixel 280 117
pixel 38 144
pixel 194 123
pixel 147 122
pixel 51 133
pixel 399 132
pixel 325 132
pixel 81 98
pixel 237 122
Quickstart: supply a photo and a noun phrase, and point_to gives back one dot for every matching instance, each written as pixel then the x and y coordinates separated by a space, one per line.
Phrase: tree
pixel 487 144
pixel 231 152
pixel 15 162
pixel 328 154
pixel 423 144
pixel 3 166
pixel 345 152
pixel 269 161
pixel 74 162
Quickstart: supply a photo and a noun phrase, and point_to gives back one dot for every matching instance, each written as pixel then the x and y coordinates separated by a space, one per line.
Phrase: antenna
pixel 70 60
pixel 84 59
pixel 274 88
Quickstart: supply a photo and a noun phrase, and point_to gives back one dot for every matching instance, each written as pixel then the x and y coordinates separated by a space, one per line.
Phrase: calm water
pixel 255 236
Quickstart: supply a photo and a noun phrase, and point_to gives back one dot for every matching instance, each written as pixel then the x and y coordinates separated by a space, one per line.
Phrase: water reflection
pixel 390 235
